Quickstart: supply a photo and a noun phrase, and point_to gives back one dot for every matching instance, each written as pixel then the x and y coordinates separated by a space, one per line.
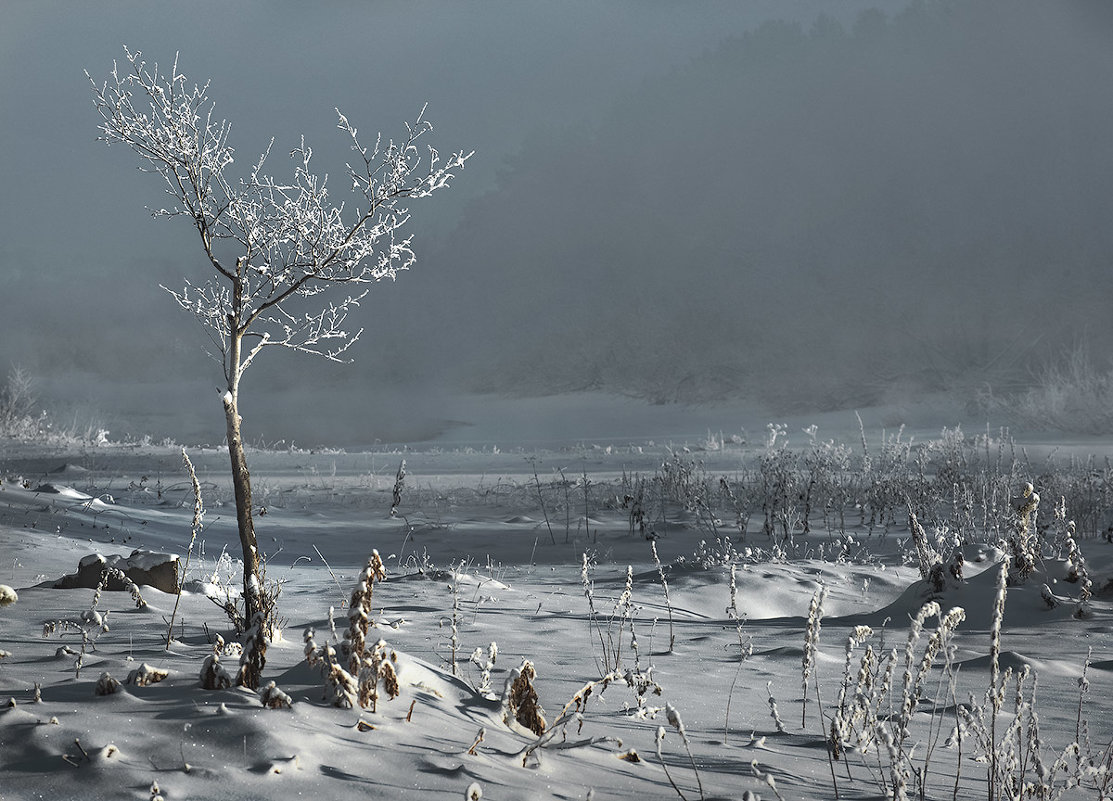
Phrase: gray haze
pixel 683 202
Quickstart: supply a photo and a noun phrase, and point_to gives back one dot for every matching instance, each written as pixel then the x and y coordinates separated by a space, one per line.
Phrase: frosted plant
pixel 910 694
pixel 399 485
pixel 1077 572
pixel 273 698
pixel 1023 544
pixel 91 624
pixel 287 263
pixel 519 699
pixel 840 724
pixel 454 639
pixel 485 661
pixel 665 585
pixel 359 610
pixel 195 529
pixel 745 649
pixel 660 740
pixel 928 559
pixel 213 674
pixel 996 687
pixel 106 685
pixel 606 645
pixel 572 711
pixel 115 574
pixel 377 666
pixel 673 717
pixel 624 610
pixel 341 688
pixel 145 675
pixel 811 642
pixel 732 607
pixel 642 683
pixel 768 778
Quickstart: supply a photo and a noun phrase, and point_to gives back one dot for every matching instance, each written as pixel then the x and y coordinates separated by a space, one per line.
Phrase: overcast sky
pixel 619 147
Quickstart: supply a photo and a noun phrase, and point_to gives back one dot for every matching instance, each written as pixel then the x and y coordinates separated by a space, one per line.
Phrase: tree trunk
pixel 255 622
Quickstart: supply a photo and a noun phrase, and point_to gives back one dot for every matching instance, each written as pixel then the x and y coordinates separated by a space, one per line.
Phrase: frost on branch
pixel 293 240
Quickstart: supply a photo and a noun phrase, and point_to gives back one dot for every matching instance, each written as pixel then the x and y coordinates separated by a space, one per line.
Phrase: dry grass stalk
pixel 195 529
pixel 359 610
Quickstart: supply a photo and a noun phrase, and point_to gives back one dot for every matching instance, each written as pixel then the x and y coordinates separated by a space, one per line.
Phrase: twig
pixel 541 498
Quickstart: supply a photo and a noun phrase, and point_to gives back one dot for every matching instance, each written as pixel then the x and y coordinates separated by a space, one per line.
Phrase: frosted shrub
pixel 825 465
pixel 780 487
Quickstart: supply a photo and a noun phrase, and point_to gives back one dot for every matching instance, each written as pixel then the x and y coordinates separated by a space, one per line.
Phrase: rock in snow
pixel 158 570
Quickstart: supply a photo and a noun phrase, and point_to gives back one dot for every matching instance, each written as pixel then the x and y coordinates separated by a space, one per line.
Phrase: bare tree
pixel 273 247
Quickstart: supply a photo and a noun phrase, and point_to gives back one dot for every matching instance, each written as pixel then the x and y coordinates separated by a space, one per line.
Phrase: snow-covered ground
pixel 489 546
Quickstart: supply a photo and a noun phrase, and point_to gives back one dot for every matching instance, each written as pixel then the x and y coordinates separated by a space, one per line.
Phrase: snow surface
pixel 470 535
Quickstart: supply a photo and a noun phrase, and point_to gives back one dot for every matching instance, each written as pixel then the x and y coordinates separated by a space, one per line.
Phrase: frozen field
pixel 489 546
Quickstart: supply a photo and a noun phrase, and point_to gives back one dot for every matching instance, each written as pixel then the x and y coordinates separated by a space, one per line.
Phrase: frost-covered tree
pixel 286 263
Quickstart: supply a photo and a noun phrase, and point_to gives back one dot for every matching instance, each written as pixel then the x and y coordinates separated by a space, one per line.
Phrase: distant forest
pixel 814 216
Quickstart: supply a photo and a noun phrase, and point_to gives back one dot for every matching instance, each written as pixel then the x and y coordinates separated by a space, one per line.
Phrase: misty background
pixel 809 206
